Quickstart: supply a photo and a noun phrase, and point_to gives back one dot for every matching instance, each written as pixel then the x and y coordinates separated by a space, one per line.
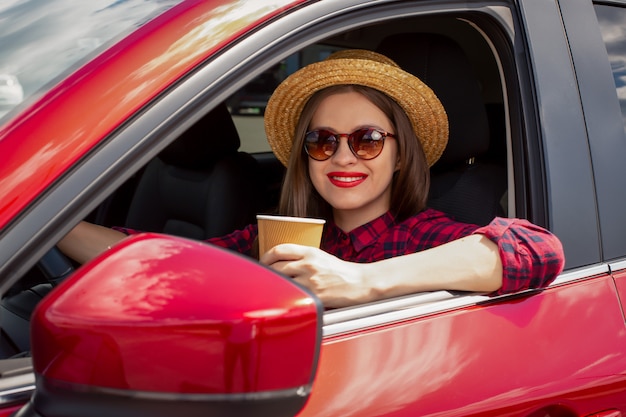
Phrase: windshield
pixel 42 39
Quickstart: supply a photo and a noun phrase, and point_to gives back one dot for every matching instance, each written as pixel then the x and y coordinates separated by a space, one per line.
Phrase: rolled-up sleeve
pixel 532 257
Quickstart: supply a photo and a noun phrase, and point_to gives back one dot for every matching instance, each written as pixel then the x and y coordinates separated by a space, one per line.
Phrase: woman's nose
pixel 344 155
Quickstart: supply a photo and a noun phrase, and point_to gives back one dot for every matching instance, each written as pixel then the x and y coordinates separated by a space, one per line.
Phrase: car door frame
pixel 606 128
pixel 604 120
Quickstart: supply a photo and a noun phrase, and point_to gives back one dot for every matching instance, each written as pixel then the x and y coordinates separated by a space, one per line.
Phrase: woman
pixel 358 136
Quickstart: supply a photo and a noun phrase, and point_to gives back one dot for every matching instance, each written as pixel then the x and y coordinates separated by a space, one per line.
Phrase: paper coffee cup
pixel 274 230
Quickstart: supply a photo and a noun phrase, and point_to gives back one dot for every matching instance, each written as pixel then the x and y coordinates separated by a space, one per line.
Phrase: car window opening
pixel 474 102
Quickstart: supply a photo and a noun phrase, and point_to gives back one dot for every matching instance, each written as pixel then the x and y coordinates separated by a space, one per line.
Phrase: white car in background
pixel 11 92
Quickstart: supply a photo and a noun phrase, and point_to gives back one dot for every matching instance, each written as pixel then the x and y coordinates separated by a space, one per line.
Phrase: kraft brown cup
pixel 274 230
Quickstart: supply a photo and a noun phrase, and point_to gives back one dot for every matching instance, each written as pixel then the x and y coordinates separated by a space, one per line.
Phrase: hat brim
pixel 419 102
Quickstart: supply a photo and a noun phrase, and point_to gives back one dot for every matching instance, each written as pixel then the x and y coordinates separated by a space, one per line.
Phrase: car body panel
pixel 8 412
pixel 400 369
pixel 42 145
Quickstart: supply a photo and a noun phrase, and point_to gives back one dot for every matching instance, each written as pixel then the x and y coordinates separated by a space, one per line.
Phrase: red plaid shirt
pixel 531 256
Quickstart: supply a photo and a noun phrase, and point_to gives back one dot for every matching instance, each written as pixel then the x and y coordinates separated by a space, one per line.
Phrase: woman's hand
pixel 337 283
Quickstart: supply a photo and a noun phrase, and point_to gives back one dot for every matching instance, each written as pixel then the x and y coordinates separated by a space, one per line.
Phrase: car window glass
pixel 42 39
pixel 247 105
pixel 613 26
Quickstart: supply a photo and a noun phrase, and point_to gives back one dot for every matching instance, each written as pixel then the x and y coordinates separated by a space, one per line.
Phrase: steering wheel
pixel 16 309
pixel 55 266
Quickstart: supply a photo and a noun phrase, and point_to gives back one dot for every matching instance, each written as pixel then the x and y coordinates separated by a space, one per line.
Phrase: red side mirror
pixel 164 326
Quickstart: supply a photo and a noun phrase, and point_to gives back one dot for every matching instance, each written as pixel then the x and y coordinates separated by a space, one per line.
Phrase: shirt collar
pixel 367 234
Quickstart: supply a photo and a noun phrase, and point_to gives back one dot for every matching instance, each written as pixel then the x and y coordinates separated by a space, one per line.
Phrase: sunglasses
pixel 366 143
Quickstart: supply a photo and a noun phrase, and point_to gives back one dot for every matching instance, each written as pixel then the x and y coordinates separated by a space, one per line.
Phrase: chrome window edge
pixel 17 389
pixel 580 273
pixel 385 306
pixel 341 321
pixel 396 310
pixel 617 265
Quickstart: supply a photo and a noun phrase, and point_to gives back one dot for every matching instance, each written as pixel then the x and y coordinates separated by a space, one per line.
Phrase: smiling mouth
pixel 346 180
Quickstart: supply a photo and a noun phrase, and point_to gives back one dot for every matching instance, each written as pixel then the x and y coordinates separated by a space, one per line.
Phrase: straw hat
pixel 360 67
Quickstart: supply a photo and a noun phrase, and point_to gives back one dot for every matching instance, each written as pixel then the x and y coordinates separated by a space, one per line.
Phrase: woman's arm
pixel 87 240
pixel 471 263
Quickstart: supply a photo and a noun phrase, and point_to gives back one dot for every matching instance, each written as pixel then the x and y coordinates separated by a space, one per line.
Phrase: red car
pixel 148 114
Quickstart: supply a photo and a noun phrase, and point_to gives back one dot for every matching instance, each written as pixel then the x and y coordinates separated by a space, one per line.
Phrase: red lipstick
pixel 346 179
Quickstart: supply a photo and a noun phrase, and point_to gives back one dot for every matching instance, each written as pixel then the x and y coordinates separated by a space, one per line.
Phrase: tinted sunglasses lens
pixel 367 143
pixel 320 144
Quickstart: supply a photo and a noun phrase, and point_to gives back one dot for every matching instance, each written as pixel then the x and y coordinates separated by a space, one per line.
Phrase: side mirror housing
pixel 163 326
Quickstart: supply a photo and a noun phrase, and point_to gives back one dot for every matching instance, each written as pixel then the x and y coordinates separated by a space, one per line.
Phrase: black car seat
pixel 464 184
pixel 200 186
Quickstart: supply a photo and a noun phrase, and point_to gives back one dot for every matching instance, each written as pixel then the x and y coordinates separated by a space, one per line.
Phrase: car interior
pixel 220 173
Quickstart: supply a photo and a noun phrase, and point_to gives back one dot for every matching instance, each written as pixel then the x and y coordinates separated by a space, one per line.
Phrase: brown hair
pixel 410 183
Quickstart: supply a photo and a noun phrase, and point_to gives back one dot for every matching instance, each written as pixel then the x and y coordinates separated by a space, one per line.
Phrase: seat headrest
pixel 443 66
pixel 208 140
